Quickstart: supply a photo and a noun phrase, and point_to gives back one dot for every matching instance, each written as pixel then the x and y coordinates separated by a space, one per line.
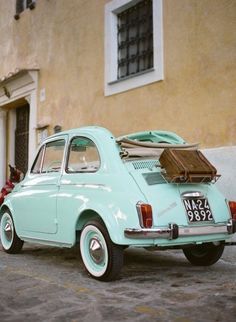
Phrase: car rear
pixel 175 213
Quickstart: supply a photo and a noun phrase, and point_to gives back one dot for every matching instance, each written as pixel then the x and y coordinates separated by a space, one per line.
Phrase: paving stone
pixel 50 284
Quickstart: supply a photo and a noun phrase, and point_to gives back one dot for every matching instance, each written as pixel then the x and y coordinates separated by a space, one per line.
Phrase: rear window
pixel 83 156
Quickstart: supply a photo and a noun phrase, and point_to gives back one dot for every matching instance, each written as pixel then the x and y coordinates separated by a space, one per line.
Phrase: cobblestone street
pixel 50 284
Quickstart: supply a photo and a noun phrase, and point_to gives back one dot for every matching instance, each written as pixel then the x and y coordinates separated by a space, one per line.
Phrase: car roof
pixel 83 130
pixel 149 136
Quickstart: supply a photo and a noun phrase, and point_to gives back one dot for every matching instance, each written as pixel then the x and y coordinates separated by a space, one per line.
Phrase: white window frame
pixel 112 84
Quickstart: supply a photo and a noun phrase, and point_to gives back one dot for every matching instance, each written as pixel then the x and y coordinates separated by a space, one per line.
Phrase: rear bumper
pixel 174 231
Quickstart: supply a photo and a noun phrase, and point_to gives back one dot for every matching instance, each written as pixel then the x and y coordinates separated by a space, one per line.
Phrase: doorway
pixel 18 120
pixel 22 138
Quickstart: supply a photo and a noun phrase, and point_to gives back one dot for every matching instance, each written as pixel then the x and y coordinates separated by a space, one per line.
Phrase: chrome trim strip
pixel 182 231
pixel 192 194
pixel 205 230
pixel 147 233
pixel 46 241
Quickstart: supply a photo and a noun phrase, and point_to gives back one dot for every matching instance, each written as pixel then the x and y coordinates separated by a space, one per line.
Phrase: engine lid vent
pixel 154 178
pixel 144 164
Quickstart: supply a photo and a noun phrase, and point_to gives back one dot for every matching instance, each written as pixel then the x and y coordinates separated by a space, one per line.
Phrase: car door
pixel 80 183
pixel 36 202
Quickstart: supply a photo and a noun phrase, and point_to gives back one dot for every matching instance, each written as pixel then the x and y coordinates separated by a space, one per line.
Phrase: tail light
pixel 145 214
pixel 232 207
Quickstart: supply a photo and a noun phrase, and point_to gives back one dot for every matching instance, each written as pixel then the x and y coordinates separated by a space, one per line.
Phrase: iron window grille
pixel 21 5
pixel 135 39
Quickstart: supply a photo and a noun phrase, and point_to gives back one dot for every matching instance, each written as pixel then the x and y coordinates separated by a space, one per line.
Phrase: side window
pixel 49 158
pixel 38 161
pixel 53 156
pixel 83 156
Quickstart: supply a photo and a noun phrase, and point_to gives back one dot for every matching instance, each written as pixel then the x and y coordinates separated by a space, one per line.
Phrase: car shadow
pixel 139 264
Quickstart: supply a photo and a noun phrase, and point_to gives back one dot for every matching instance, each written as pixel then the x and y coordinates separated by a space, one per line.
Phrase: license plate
pixel 198 209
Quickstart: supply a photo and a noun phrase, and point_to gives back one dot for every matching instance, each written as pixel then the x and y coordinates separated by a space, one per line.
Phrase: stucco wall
pixel 65 39
pixel 224 159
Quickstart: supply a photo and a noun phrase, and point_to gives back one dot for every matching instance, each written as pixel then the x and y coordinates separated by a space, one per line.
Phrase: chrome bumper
pixel 173 231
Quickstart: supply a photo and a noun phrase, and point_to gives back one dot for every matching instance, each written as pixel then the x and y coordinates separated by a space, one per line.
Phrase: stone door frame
pixel 16 89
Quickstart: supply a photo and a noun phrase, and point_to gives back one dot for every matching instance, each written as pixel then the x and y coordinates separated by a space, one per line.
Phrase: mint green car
pixel 105 193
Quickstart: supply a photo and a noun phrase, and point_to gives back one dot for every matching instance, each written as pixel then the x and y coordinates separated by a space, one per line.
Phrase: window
pixel 135 39
pixel 49 158
pixel 83 156
pixel 38 161
pixel 133 44
pixel 21 5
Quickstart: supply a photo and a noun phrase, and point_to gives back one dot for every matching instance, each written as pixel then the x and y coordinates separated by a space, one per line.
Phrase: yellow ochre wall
pixel 65 40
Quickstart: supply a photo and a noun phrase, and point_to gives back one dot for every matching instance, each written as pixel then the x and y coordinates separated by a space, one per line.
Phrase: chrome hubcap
pixel 96 250
pixel 8 231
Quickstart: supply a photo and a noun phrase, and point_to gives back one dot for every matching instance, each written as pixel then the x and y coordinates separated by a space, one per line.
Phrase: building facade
pixel 128 65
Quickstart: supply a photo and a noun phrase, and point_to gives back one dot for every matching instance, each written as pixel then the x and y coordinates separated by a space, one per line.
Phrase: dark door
pixel 22 138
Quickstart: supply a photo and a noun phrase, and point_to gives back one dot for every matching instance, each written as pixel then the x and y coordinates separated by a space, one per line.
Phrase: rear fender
pixel 115 220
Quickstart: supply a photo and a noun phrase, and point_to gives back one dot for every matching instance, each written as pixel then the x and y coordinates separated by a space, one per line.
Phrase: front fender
pixel 7 205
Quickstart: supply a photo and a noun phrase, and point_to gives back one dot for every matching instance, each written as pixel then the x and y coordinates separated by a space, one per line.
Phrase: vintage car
pixel 86 186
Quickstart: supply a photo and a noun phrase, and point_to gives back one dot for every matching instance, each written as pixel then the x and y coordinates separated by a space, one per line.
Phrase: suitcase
pixel 187 166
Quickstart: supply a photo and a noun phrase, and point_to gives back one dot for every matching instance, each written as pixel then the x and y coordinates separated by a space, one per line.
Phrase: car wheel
pixel 101 257
pixel 11 243
pixel 204 255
